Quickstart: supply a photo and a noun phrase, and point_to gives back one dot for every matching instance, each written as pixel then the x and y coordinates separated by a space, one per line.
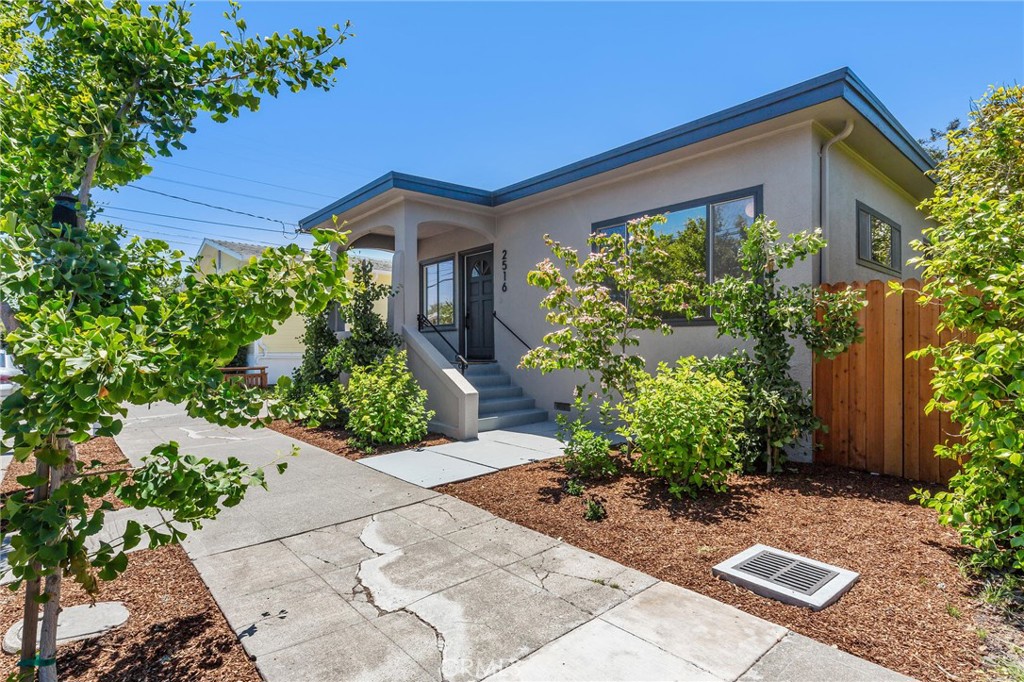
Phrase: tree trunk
pixel 30 615
pixel 51 608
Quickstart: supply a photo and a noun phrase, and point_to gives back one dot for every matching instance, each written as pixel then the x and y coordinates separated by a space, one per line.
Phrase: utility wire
pixel 282 223
pixel 191 220
pixel 196 232
pixel 258 182
pixel 237 194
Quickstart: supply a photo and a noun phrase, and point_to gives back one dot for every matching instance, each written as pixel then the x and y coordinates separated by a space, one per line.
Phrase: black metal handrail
pixel 463 362
pixel 519 338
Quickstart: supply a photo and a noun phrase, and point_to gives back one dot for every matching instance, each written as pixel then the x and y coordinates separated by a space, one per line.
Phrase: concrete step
pixel 484 380
pixel 492 392
pixel 482 368
pixel 514 418
pixel 502 405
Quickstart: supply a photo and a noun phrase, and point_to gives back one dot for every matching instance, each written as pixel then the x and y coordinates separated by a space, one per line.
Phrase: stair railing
pixel 519 338
pixel 463 363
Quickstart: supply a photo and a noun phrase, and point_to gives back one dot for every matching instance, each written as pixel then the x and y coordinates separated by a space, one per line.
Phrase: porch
pixel 446 269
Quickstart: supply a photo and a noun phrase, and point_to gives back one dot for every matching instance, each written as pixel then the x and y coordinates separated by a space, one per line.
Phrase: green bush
pixel 369 337
pixel 317 341
pixel 386 405
pixel 687 424
pixel 972 259
pixel 587 453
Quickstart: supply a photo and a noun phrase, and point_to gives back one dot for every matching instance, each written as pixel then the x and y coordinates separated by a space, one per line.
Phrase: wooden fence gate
pixel 873 397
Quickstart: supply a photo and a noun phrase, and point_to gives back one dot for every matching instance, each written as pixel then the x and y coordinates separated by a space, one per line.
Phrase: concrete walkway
pixel 342 572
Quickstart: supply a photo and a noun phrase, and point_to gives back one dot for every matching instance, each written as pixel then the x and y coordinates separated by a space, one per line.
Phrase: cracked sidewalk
pixel 340 572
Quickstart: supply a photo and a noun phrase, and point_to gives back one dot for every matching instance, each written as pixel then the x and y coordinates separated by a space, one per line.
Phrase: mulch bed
pixel 103 450
pixel 912 610
pixel 175 630
pixel 336 440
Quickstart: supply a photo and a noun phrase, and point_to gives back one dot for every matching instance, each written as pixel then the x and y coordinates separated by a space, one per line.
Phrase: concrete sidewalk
pixel 341 572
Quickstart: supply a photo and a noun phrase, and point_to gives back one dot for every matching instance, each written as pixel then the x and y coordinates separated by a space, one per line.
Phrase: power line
pixel 197 232
pixel 237 194
pixel 203 203
pixel 191 220
pixel 258 182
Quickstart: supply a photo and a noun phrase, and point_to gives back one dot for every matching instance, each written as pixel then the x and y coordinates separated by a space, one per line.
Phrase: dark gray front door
pixel 479 273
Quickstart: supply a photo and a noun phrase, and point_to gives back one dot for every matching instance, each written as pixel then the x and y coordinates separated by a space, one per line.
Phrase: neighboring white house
pixel 824 152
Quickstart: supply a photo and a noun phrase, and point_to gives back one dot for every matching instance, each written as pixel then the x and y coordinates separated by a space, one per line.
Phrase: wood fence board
pixel 822 392
pixel 841 410
pixel 892 385
pixel 911 372
pixel 929 423
pixel 874 349
pixel 858 396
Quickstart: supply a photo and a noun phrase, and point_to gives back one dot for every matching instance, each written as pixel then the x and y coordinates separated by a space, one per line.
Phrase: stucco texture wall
pixel 851 179
pixel 781 163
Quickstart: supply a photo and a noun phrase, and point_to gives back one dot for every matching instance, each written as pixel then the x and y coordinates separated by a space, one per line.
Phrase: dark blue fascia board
pixel 395 180
pixel 842 83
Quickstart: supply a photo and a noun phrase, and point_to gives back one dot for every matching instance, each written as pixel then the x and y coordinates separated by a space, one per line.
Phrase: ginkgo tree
pixel 93 90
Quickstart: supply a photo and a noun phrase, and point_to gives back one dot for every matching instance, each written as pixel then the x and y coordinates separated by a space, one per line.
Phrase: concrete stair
pixel 502 403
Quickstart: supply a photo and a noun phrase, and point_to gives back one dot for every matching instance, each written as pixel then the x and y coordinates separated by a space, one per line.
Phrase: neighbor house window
pixel 878 240
pixel 702 237
pixel 438 282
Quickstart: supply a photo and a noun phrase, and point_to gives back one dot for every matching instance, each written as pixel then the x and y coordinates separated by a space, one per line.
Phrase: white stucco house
pixel 825 152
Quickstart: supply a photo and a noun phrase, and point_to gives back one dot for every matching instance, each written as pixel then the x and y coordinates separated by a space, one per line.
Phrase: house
pixel 823 152
pixel 280 352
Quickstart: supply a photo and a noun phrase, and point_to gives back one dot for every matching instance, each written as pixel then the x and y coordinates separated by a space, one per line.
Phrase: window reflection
pixel 439 292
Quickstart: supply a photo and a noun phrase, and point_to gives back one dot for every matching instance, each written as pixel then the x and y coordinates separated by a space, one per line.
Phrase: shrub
pixel 686 423
pixel 587 453
pixel 369 338
pixel 972 264
pixel 386 405
pixel 317 341
pixel 756 305
pixel 594 510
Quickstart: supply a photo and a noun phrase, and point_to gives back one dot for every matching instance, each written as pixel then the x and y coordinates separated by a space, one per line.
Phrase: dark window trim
pixel 757 191
pixel 423 290
pixel 897 251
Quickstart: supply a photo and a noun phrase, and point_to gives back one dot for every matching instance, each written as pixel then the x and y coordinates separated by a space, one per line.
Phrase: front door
pixel 479 323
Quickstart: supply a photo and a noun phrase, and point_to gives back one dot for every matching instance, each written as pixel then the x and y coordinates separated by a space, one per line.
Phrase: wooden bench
pixel 251 376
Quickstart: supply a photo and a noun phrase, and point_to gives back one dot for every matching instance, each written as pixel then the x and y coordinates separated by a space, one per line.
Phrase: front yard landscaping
pixel 912 611
pixel 339 441
pixel 175 630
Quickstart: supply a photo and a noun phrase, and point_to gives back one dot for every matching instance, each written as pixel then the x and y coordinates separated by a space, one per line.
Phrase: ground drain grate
pixel 787 577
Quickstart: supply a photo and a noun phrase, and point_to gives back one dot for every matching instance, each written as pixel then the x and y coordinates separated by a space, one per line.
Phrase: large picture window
pixel 702 237
pixel 878 240
pixel 438 285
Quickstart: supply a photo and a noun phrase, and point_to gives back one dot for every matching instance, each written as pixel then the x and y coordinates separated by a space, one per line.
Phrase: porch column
pixel 406 273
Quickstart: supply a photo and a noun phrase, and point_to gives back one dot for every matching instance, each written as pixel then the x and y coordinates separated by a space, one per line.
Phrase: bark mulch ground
pixel 103 450
pixel 175 630
pixel 336 440
pixel 912 610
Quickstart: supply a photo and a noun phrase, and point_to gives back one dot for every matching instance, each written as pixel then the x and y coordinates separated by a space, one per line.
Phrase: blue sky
pixel 486 94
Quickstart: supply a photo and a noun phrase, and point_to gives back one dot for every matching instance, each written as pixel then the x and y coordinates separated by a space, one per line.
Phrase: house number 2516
pixel 504 270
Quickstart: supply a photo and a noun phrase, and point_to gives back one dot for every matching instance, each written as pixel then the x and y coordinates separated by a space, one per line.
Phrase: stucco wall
pixel 852 179
pixel 781 163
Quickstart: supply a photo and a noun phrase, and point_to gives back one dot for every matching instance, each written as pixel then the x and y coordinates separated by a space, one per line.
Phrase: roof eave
pixel 841 83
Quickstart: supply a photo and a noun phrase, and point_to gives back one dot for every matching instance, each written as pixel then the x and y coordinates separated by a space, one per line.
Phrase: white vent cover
pixel 790 578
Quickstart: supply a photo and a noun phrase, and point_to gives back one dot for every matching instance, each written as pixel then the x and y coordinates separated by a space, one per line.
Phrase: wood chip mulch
pixel 102 449
pixel 336 440
pixel 175 630
pixel 912 610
